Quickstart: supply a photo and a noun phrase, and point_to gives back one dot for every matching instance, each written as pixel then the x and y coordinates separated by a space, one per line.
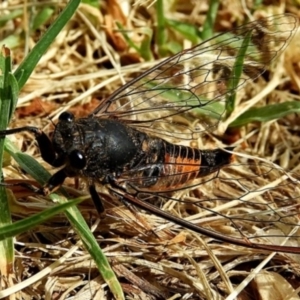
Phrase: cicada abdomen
pixel 169 167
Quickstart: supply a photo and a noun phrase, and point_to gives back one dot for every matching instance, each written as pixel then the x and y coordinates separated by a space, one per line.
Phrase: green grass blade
pixel 12 41
pixel 127 38
pixel 236 73
pixel 267 113
pixel 42 17
pixel 208 26
pixel 11 16
pixel 8 98
pixel 93 3
pixel 145 48
pixel 188 31
pixel 27 163
pixel 9 88
pixel 11 230
pixel 161 27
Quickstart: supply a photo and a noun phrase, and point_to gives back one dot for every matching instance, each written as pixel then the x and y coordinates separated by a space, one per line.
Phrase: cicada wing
pixel 254 205
pixel 199 79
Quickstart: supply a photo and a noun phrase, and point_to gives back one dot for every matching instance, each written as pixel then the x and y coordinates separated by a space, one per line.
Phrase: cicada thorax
pixel 108 146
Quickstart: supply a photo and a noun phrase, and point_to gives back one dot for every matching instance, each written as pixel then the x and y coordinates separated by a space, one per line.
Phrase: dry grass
pixel 153 258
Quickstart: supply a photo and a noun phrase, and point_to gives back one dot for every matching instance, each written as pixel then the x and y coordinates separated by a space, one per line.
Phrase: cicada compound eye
pixel 66 116
pixel 77 159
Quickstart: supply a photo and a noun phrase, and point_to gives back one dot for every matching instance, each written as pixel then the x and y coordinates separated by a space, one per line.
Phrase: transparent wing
pixel 253 204
pixel 199 79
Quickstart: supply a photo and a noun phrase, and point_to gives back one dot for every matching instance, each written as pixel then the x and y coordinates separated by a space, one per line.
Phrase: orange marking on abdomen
pixel 182 165
pixel 179 170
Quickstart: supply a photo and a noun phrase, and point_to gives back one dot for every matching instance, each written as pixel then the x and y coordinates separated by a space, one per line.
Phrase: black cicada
pixel 137 143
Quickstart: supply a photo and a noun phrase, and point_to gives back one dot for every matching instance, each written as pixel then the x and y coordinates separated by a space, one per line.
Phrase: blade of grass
pixel 8 99
pixel 9 88
pixel 11 230
pixel 42 17
pixel 208 26
pixel 165 47
pixel 11 16
pixel 188 31
pixel 235 75
pixel 93 3
pixel 145 49
pixel 160 30
pixel 127 38
pixel 267 113
pixel 27 163
pixel 12 41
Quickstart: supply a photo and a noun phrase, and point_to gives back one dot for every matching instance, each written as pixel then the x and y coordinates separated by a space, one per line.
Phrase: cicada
pixel 137 144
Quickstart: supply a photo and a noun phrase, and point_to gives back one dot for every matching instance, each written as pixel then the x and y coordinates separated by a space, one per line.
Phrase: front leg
pixel 54 183
pixel 46 147
pixel 48 154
